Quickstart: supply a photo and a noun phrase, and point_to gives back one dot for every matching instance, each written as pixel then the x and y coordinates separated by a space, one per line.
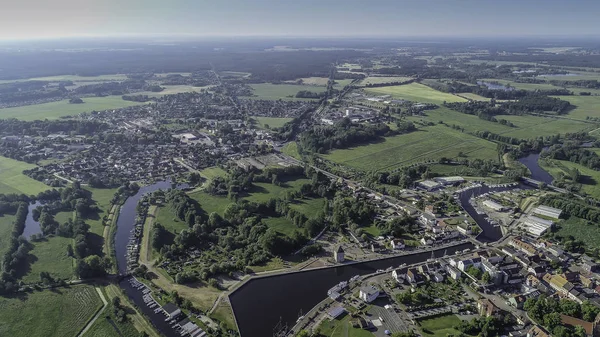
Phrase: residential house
pixel 368 293
pixel 399 274
pixel 486 308
pixel 523 246
pixel 397 244
pixel 464 264
pixel 335 312
pixel 589 266
pixel 589 327
pixel 454 273
pixel 464 228
pixel 427 219
pixel 339 255
pixel 537 331
pixel 413 276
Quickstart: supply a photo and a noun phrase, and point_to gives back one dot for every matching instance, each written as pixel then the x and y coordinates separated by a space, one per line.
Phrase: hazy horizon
pixel 39 19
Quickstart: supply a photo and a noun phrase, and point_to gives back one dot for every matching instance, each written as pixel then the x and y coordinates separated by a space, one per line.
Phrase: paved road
pixel 89 325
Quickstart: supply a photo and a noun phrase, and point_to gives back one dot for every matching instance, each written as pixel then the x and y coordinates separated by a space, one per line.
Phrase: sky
pixel 34 19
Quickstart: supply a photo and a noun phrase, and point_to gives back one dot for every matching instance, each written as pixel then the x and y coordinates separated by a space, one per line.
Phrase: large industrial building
pixel 550 212
pixel 537 226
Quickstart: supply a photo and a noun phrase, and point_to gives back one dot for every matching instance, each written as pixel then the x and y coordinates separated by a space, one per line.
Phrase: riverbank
pixel 283 296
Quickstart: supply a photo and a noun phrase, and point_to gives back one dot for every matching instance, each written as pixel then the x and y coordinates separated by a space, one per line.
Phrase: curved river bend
pixel 262 302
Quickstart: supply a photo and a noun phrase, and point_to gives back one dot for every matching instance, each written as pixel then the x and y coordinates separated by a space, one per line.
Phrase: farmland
pixel 282 91
pixel 585 106
pixel 56 313
pixel 419 146
pixel 12 179
pixel 415 92
pixel 54 110
pixel 382 79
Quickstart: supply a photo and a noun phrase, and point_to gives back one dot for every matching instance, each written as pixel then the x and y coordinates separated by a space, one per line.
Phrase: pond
pixel 31 226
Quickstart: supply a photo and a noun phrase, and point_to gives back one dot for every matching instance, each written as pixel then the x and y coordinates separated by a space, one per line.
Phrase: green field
pixel 585 106
pixel 291 149
pixel 473 97
pixel 430 143
pixel 264 191
pixel 12 179
pixel 49 255
pixel 470 123
pixel 74 78
pixel 54 110
pixel 590 178
pixel 342 328
pixel 546 127
pixel 210 203
pixel 382 79
pixel 282 91
pixel 172 90
pixel 51 313
pixel 581 229
pixel 102 197
pixel 6 227
pixel 271 122
pixel 212 172
pixel 415 92
pixel 281 225
pixel 440 326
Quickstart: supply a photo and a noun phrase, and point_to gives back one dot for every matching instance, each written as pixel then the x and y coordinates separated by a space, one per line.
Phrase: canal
pixel 262 302
pixel 125 224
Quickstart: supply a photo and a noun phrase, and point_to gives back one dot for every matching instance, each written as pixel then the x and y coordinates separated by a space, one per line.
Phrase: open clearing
pixel 282 91
pixel 271 122
pixel 440 326
pixel 426 144
pixel 473 97
pixel 209 203
pixel 585 106
pixel 342 327
pixel 264 191
pixel 54 110
pixel 49 255
pixel 60 312
pixel 415 92
pixel 12 179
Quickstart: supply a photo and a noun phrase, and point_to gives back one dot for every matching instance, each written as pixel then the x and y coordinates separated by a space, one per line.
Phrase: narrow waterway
pixel 125 224
pixel 261 303
pixel 537 173
pixel 31 226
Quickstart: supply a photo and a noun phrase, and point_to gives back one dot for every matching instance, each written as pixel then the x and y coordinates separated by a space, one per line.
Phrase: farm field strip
pixel 415 92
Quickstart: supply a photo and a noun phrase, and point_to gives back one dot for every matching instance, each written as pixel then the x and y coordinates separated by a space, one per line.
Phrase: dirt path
pixel 89 325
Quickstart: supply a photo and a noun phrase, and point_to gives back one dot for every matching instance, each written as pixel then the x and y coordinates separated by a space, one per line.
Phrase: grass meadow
pixel 54 110
pixel 50 313
pixel 590 178
pixel 415 92
pixel 282 91
pixel 12 179
pixel 430 143
pixel 440 326
pixel 271 122
pixel 49 255
pixel 6 227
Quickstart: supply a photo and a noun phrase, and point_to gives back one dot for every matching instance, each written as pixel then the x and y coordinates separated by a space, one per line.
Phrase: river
pixel 262 302
pixel 537 173
pixel 125 224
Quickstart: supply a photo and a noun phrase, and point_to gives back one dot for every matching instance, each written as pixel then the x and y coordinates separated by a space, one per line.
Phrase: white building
pixel 335 312
pixel 429 185
pixel 550 212
pixel 537 226
pixel 454 273
pixel 368 294
pixel 491 204
pixel 450 180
